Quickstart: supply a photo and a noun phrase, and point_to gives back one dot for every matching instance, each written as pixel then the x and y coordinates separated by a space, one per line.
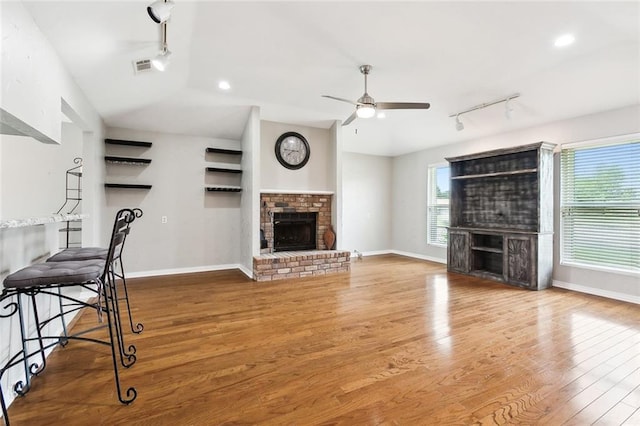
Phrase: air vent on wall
pixel 143 65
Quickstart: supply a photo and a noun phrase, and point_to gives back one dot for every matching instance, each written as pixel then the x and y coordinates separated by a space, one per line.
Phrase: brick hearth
pixel 299 264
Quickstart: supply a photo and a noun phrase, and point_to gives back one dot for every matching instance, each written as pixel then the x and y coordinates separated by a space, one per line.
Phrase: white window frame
pixel 595 143
pixel 431 200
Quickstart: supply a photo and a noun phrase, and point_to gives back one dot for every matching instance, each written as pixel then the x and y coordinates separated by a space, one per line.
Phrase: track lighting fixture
pixel 160 10
pixel 508 111
pixel 161 62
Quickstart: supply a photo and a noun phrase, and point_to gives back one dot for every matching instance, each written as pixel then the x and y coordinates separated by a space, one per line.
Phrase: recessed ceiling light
pixel 564 40
pixel 381 115
pixel 224 85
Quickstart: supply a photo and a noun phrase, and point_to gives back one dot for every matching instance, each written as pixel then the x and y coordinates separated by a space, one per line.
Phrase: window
pixel 438 208
pixel 600 205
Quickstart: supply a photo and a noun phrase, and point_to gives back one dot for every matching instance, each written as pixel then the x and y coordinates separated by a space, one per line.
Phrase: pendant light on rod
pixel 460 125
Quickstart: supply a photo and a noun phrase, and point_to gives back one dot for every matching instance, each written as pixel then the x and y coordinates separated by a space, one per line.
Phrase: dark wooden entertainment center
pixel 501 215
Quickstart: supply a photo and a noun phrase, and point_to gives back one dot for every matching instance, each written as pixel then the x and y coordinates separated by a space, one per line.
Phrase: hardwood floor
pixel 396 341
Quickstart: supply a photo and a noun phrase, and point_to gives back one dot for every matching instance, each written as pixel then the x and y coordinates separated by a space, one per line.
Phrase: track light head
pixel 160 11
pixel 161 62
pixel 459 125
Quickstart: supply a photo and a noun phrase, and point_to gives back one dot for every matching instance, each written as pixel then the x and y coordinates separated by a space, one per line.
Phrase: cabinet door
pixel 458 251
pixel 521 261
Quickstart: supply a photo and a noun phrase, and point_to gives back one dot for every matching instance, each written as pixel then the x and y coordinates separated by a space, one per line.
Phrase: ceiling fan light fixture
pixel 161 62
pixel 459 124
pixel 365 111
pixel 159 11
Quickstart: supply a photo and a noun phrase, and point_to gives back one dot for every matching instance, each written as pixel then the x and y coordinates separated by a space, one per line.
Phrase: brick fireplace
pixel 276 263
pixel 294 203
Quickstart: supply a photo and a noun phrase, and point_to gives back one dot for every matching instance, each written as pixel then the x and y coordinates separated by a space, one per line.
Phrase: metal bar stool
pixel 48 278
pixel 87 253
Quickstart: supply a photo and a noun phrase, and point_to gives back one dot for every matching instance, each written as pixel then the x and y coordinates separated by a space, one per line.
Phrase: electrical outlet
pixel 163 219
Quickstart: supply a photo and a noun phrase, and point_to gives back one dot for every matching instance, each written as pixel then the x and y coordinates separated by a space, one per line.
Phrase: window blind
pixel 438 205
pixel 600 205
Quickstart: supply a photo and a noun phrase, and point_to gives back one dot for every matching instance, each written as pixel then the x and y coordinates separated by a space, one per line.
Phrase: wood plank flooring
pixel 395 342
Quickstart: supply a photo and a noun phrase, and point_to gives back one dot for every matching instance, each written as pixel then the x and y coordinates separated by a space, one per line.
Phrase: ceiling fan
pixel 366 106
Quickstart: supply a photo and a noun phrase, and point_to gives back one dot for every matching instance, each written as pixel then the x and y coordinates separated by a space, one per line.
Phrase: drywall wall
pixel 202 229
pixel 367 203
pixel 34 174
pixel 250 197
pixel 316 175
pixel 409 191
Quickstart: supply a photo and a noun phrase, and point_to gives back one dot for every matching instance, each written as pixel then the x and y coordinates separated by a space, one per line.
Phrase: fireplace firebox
pixel 294 231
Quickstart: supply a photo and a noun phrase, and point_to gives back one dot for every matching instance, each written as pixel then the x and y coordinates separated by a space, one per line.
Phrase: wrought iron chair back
pixel 49 278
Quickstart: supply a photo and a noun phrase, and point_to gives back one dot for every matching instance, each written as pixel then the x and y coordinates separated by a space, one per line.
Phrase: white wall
pixel 410 192
pixel 250 236
pixel 203 228
pixel 34 174
pixel 316 175
pixel 367 202
pixel 35 87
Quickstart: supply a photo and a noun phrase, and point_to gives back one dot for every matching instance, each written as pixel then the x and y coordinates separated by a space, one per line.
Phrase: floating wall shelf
pixel 223 189
pixel 223 170
pixel 126 160
pixel 126 186
pixel 128 143
pixel 224 151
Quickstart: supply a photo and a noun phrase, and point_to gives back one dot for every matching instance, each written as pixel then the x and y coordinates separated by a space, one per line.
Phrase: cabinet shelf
pixel 223 170
pixel 224 151
pixel 126 186
pixel 126 160
pixel 223 189
pixel 496 174
pixel 487 249
pixel 128 143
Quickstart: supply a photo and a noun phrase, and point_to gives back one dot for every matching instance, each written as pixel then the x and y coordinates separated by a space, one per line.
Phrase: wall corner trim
pixel 597 292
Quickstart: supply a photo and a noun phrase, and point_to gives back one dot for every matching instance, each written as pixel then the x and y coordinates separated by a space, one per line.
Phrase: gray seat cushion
pixel 61 273
pixel 79 253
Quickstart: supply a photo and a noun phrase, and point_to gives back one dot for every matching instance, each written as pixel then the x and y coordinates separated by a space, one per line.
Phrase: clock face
pixel 292 150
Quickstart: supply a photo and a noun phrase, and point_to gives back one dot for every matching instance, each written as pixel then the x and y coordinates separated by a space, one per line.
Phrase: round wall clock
pixel 292 150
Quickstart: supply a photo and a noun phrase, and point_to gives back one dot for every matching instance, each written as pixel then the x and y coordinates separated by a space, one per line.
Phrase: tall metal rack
pixel 73 198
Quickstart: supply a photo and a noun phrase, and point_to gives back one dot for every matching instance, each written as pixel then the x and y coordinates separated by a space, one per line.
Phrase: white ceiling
pixel 282 56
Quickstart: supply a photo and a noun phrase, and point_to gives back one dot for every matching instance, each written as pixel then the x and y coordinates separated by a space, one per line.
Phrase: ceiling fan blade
pixel 350 119
pixel 341 99
pixel 402 105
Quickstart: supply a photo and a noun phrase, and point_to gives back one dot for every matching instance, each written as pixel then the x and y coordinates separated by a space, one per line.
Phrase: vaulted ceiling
pixel 282 56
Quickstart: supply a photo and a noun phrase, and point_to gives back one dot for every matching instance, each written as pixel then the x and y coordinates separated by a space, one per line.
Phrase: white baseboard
pixel 371 253
pixel 188 270
pixel 246 271
pixel 597 292
pixel 419 256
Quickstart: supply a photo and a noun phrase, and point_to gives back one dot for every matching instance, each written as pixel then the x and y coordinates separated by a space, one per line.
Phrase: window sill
pixel 601 268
